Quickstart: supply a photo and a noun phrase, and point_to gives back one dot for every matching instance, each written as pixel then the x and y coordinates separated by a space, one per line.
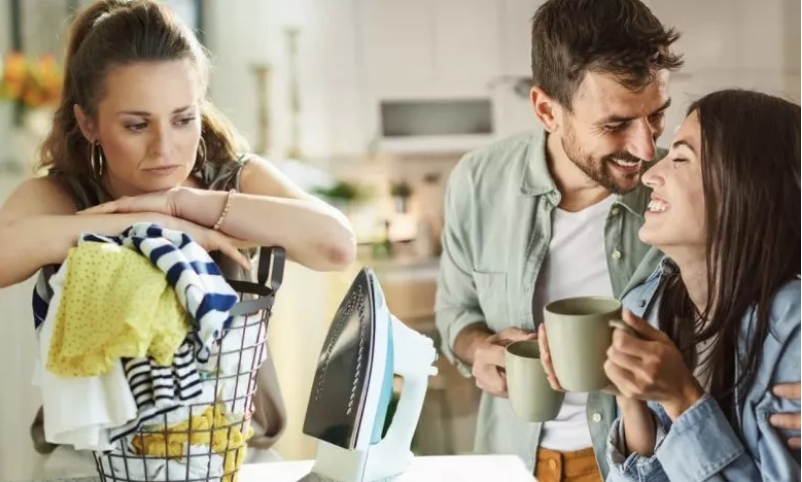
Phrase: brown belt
pixel 579 466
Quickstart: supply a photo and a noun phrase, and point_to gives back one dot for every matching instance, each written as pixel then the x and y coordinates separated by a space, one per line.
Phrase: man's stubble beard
pixel 598 170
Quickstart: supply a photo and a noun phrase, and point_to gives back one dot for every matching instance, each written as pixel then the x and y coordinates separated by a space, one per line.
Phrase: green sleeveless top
pixel 269 417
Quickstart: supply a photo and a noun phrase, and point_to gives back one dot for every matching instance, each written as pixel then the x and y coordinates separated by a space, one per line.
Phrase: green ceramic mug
pixel 530 393
pixel 580 330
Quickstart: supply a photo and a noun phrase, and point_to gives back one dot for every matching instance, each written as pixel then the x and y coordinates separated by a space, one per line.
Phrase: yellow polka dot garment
pixel 115 304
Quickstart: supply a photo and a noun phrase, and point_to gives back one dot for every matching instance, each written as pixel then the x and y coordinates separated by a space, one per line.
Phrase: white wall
pixel 237 38
pixel 328 64
pixel 243 33
pixel 732 43
pixel 5 109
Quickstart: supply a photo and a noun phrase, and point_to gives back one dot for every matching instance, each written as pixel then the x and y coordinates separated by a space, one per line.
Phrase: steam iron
pixel 353 387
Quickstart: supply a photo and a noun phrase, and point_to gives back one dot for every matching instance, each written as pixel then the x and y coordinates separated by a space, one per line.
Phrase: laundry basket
pixel 205 440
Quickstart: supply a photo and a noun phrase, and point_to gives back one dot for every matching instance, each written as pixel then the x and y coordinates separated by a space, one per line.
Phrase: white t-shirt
pixel 576 265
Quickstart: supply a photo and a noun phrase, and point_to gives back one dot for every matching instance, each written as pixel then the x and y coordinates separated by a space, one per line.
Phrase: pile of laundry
pixel 140 359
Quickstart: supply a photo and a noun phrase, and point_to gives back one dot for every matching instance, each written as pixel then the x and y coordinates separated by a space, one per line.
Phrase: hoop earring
pixel 96 160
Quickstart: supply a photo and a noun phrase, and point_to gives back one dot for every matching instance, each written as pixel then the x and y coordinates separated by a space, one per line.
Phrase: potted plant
pixel 401 192
pixel 343 194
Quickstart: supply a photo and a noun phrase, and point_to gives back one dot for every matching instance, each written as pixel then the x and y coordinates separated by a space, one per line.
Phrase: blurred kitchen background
pixel 369 103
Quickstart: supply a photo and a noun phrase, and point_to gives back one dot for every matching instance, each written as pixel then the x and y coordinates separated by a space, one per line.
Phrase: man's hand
pixel 488 359
pixel 788 421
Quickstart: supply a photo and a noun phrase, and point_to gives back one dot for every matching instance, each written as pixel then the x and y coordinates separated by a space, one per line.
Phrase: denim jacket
pixel 702 444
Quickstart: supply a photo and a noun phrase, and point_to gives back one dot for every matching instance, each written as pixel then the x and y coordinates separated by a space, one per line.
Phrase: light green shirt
pixel 498 214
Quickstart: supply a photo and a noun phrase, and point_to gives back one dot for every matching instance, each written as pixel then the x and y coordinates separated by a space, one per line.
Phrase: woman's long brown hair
pixel 112 33
pixel 751 181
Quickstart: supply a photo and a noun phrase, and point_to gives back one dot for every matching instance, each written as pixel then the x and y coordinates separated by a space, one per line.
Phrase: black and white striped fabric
pixel 154 385
pixel 158 390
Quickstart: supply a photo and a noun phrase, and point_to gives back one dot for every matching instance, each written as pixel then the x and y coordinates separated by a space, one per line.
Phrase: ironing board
pixel 462 468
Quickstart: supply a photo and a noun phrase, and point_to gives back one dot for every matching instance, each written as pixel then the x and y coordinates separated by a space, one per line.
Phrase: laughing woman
pixel 695 395
pixel 136 139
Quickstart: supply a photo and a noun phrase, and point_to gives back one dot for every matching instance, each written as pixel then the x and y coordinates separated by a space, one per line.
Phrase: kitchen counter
pixel 465 468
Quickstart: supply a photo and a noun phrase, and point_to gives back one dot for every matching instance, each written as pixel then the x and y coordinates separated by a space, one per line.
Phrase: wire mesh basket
pixel 204 439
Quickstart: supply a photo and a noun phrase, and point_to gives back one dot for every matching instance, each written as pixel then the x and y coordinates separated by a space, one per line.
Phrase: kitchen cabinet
pixel 516 36
pixel 396 39
pixel 741 35
pixel 741 45
pixel 466 42
pixel 358 54
pixel 330 80
pixel 428 44
pixel 355 55
pixel 428 52
pixel 709 32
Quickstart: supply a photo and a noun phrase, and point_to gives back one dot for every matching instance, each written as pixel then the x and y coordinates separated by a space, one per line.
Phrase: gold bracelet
pixel 226 208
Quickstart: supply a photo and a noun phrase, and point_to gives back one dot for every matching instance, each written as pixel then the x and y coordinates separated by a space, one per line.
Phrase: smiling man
pixel 555 213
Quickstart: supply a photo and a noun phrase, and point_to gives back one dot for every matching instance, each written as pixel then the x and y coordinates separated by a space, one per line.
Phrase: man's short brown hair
pixel 620 37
